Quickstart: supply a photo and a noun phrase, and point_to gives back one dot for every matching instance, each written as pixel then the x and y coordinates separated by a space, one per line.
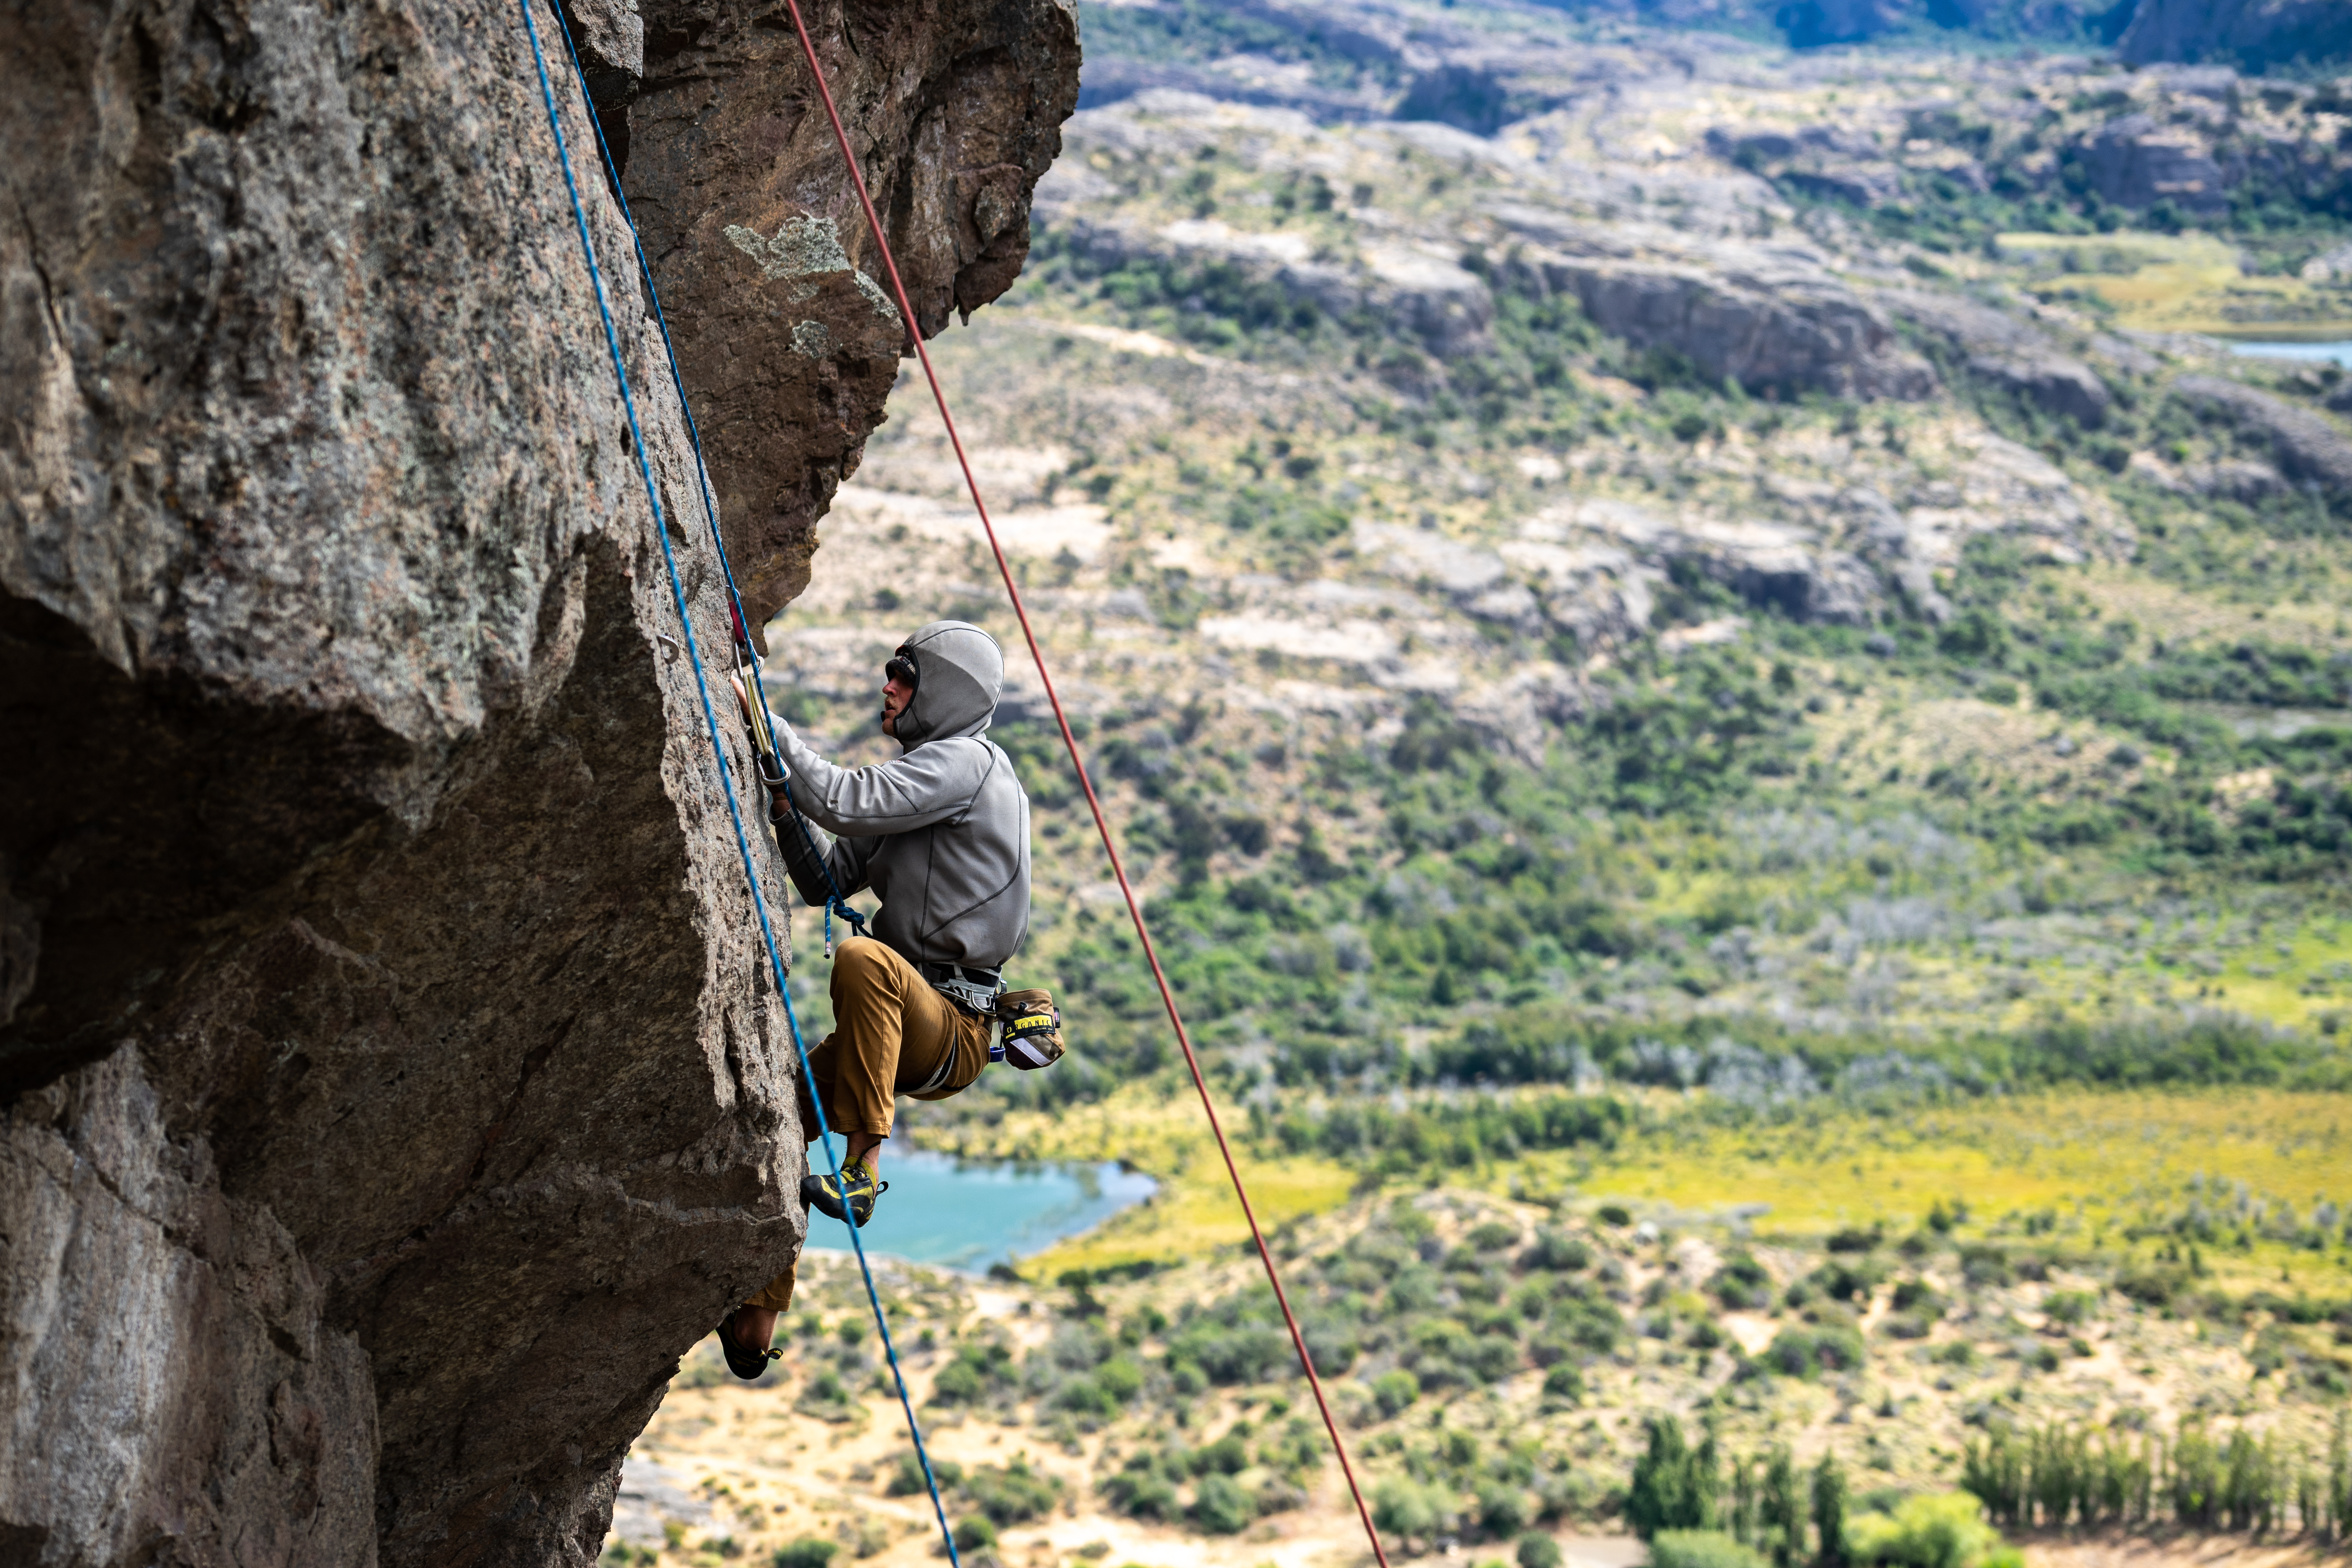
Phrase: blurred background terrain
pixel 1718 634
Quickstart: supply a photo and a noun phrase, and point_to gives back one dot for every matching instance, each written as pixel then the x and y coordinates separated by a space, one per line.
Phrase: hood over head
pixel 958 672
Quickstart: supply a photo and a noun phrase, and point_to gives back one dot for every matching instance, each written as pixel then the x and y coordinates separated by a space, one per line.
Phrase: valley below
pixel 1731 706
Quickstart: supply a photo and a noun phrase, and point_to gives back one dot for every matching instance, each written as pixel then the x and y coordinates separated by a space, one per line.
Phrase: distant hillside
pixel 1743 576
pixel 1375 58
pixel 2254 35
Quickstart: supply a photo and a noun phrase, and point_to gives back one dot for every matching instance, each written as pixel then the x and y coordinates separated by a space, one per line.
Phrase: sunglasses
pixel 900 669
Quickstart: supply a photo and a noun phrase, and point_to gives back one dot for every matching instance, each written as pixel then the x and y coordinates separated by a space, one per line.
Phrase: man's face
pixel 896 695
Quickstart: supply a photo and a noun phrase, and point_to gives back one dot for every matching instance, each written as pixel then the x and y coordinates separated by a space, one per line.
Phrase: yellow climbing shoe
pixel 851 1198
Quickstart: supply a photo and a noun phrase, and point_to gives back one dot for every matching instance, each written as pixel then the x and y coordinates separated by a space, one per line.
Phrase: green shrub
pixel 1228 1455
pixel 2072 1308
pixel 1804 1351
pixel 1401 1506
pixel 1944 1531
pixel 1392 1391
pixel 1843 1281
pixel 1700 1549
pixel 974 1533
pixel 1553 1252
pixel 1014 1493
pixel 808 1551
pixel 1414 1289
pixel 1112 1385
pixel 1564 1382
pixel 1222 1507
pixel 1085 1396
pixel 1920 1298
pixel 1493 1236
pixel 959 1383
pixel 2153 1285
pixel 1595 1325
pixel 907 1480
pixel 1490 1359
pixel 1537 1550
pixel 1142 1492
pixel 1502 1510
pixel 1741 1284
pixel 1240 1355
pixel 1614 1214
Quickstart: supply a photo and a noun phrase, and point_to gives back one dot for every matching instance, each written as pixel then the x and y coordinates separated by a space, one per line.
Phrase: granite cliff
pixel 389 1085
pixel 2253 33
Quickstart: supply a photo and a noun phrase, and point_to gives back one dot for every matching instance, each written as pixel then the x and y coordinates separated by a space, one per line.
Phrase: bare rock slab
pixel 783 312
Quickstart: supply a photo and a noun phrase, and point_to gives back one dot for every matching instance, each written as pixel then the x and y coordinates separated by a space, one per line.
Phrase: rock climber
pixel 941 833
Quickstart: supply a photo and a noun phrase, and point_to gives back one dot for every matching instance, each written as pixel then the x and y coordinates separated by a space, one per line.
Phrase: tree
pixel 1782 1528
pixel 1829 1512
pixel 1675 1484
pixel 1743 1502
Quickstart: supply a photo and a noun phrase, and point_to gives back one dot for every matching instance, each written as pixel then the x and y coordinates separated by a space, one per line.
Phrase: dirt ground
pixel 729 1473
pixel 773 1475
pixel 2113 1549
pixel 770 1476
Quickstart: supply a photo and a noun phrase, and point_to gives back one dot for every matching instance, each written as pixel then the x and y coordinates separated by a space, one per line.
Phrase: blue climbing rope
pixel 836 901
pixel 709 718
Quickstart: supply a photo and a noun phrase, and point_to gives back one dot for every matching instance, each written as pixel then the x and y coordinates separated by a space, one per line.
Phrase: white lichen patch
pixel 803 248
pixel 812 338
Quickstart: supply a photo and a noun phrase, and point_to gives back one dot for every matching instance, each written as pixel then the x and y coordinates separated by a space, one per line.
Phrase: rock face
pixel 1837 556
pixel 2251 33
pixel 390 1084
pixel 1415 282
pixel 779 309
pixel 2135 163
pixel 2309 449
pixel 2007 352
pixel 1773 317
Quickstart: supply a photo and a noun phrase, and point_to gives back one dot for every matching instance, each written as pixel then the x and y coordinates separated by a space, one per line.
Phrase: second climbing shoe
pixel 743 1360
pixel 850 1198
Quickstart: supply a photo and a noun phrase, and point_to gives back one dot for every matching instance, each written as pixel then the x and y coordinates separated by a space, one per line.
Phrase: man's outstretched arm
pixel 929 785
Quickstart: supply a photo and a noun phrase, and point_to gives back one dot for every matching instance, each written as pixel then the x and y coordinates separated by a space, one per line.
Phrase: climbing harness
pixel 1086 780
pixel 701 685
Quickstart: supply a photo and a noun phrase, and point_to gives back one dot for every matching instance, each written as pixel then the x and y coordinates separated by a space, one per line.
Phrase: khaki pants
pixel 892 1032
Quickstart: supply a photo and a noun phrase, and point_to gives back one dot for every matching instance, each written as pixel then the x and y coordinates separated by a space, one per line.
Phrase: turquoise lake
pixel 2335 352
pixel 969 1213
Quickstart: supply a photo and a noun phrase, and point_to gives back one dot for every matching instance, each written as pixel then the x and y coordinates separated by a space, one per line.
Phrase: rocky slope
pixel 2251 33
pixel 1568 587
pixel 393 1087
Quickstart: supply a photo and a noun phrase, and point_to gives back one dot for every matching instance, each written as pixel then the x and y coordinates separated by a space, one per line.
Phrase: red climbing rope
pixel 1102 826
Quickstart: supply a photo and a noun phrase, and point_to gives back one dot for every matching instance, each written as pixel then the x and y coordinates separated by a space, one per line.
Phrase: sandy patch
pixel 1082 528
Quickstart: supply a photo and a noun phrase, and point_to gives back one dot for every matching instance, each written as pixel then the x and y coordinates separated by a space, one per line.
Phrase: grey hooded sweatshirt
pixel 941 832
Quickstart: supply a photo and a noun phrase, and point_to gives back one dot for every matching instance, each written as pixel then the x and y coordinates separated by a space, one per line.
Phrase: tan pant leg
pixel 891 1028
pixel 861 1069
pixel 777 1295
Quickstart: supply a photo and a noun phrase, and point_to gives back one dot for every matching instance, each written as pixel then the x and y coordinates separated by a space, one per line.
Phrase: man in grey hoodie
pixel 941 832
